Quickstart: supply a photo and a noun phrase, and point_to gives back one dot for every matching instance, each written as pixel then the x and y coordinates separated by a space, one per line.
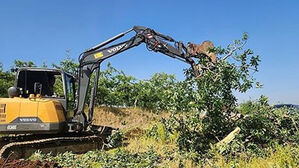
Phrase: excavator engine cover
pixel 31 115
pixel 33 106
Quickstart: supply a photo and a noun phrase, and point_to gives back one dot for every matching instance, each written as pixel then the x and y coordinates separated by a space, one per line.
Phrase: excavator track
pixel 23 146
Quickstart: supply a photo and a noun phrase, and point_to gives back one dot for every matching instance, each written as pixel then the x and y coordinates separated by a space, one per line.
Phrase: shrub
pixel 263 125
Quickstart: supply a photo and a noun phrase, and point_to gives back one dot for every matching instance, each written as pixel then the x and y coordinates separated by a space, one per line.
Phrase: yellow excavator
pixel 45 108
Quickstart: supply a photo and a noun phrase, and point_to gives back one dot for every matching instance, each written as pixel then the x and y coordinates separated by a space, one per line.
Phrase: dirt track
pixel 26 164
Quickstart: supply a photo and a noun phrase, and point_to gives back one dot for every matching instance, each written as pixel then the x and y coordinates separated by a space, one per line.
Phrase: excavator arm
pixel 90 60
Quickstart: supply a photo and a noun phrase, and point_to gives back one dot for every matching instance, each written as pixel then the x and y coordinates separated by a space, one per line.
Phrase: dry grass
pixel 125 118
pixel 280 156
pixel 136 123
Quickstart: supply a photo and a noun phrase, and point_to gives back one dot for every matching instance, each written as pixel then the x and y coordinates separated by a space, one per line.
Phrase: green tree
pixel 19 64
pixel 214 97
pixel 115 88
pixel 6 81
pixel 68 64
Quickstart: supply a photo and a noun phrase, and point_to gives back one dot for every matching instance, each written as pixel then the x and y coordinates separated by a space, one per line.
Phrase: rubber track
pixel 22 146
pixel 22 137
pixel 16 150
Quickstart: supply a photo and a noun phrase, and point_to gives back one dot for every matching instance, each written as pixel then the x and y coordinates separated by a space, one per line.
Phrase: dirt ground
pixel 26 164
pixel 125 118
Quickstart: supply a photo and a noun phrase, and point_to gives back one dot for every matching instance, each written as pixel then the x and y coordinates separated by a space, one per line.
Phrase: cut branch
pixel 221 145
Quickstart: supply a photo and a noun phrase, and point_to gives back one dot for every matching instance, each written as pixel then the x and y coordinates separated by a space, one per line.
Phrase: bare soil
pixel 4 163
pixel 126 118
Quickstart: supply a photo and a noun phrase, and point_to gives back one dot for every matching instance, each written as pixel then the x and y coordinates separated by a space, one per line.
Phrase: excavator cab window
pixel 51 84
pixel 70 92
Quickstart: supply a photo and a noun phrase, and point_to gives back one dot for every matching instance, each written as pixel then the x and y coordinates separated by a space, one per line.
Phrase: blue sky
pixel 42 31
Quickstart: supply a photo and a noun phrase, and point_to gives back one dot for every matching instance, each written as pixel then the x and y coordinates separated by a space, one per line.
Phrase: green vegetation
pixel 6 80
pixel 203 111
pixel 119 158
pixel 153 148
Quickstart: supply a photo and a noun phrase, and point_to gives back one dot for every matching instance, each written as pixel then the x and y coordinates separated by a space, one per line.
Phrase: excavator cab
pixel 41 101
pixel 47 83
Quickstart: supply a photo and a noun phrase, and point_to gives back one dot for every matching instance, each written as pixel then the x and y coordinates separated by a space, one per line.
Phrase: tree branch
pixel 234 48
